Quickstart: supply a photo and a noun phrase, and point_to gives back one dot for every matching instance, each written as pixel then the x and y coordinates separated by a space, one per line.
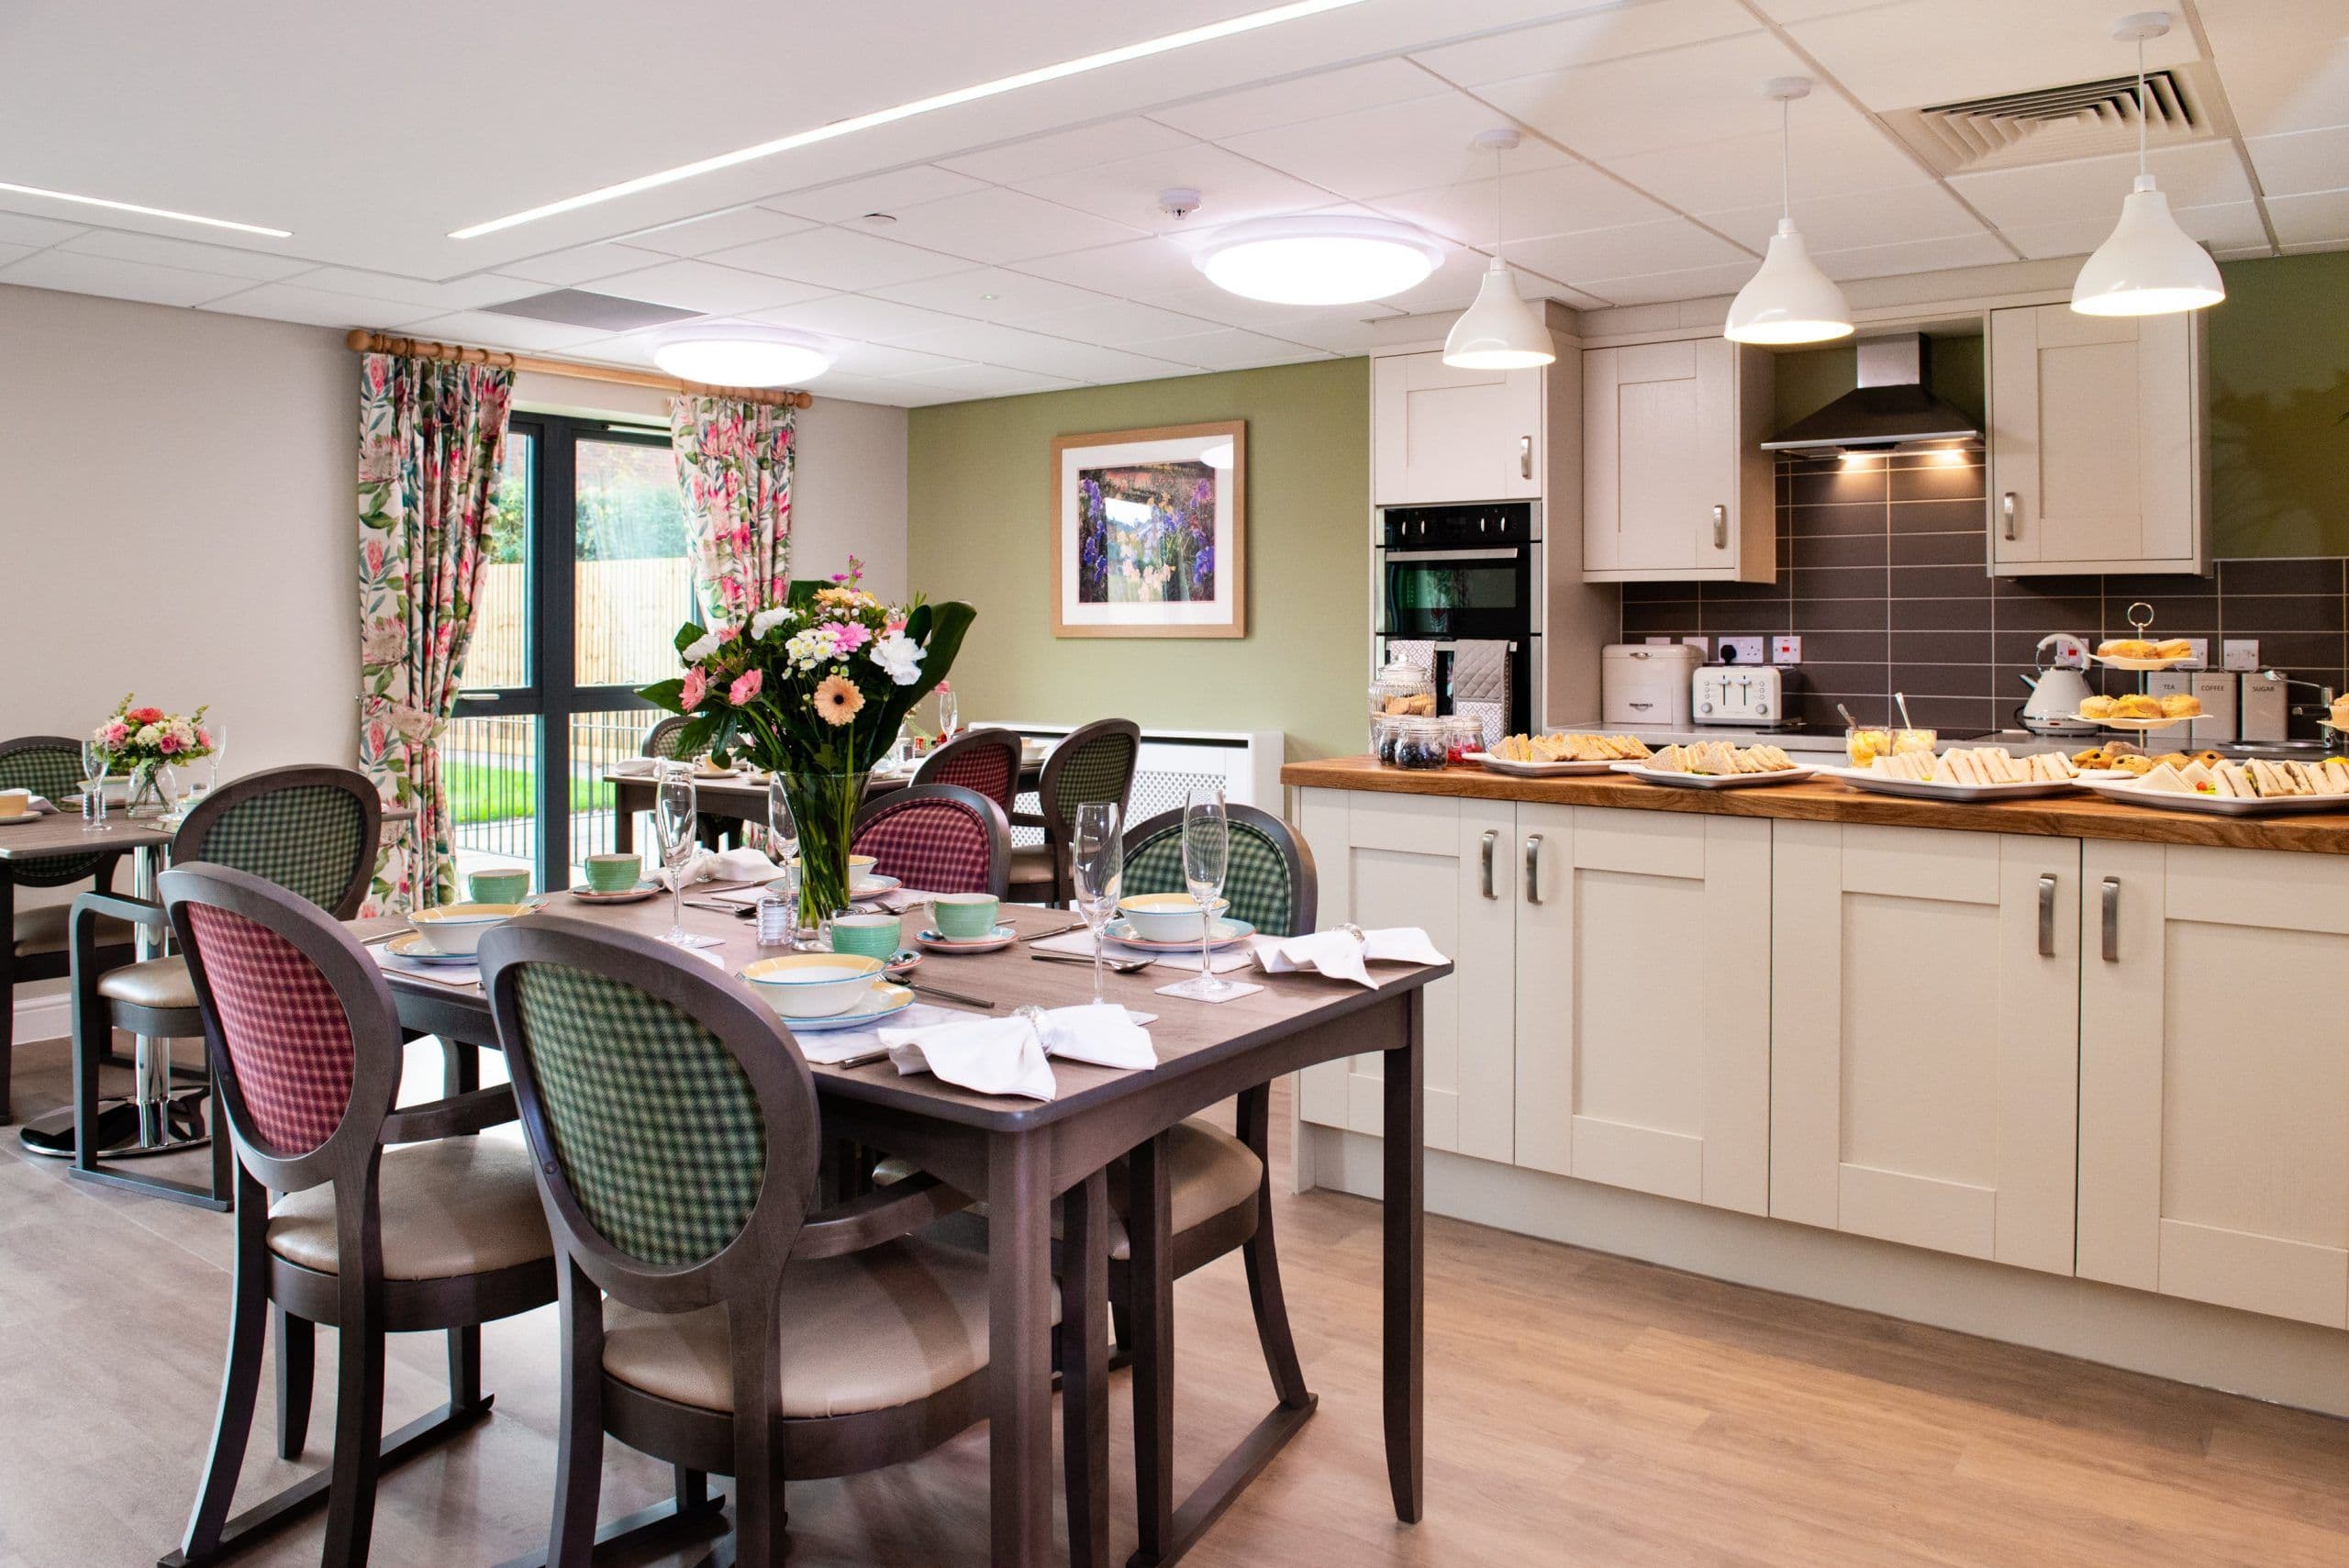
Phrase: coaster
pixel 1186 990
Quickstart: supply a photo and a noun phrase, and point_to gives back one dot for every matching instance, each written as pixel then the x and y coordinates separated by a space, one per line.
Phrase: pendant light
pixel 1501 331
pixel 2150 266
pixel 1789 300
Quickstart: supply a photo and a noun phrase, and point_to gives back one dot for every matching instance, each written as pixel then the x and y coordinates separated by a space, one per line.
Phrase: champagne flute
pixel 676 811
pixel 97 762
pixel 219 750
pixel 1207 849
pixel 1096 864
pixel 782 845
pixel 947 710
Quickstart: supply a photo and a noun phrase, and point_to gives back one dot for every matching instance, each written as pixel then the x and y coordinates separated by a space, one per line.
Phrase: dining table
pixel 1021 1155
pixel 741 796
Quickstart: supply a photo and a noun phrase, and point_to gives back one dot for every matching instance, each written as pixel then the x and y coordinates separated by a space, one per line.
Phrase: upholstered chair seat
pixel 458 1205
pixel 45 930
pixel 158 982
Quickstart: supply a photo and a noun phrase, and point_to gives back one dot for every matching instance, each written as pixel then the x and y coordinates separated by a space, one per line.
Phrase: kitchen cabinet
pixel 1675 486
pixel 1441 435
pixel 2214 1077
pixel 1925 999
pixel 1642 968
pixel 2099 442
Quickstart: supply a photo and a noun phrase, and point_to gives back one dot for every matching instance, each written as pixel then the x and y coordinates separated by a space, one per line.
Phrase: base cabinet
pixel 2214 1078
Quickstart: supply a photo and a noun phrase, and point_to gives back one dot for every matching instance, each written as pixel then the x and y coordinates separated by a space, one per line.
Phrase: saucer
pixel 883 1001
pixel 411 949
pixel 1003 937
pixel 1227 932
pixel 642 890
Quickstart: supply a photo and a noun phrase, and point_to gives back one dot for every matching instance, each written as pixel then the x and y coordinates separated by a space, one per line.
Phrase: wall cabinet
pixel 2214 1078
pixel 2099 442
pixel 1441 435
pixel 1676 486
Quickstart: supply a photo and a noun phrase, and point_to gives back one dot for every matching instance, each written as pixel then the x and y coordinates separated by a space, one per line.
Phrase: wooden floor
pixel 1581 1409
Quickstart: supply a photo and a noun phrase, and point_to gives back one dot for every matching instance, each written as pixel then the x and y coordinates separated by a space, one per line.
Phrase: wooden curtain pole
pixel 363 342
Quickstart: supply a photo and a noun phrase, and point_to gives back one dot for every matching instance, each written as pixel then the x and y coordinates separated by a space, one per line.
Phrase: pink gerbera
pixel 746 687
pixel 695 687
pixel 849 635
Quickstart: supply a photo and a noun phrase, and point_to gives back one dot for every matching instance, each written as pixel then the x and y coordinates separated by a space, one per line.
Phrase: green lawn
pixel 489 792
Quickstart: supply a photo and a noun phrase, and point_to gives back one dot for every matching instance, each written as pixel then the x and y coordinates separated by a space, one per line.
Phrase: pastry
pixel 2174 648
pixel 2341 712
pixel 2181 704
pixel 2137 704
pixel 2097 708
pixel 2126 648
pixel 2130 762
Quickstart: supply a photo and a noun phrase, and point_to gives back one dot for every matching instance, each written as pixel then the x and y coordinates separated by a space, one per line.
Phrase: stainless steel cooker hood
pixel 1890 407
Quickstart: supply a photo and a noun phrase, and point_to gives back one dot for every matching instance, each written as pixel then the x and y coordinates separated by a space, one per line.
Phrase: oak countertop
pixel 2076 815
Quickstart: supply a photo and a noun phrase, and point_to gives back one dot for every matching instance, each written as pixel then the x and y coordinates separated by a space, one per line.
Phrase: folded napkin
pixel 742 864
pixel 40 807
pixel 1340 954
pixel 634 768
pixel 1008 1056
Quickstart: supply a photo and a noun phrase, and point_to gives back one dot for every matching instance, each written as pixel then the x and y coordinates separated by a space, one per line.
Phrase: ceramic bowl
pixel 459 927
pixel 1166 916
pixel 812 984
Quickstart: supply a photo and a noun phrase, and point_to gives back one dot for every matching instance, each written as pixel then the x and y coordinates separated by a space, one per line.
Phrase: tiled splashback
pixel 1882 573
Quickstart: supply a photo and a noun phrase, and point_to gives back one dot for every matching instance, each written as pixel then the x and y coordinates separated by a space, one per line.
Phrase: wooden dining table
pixel 739 797
pixel 1020 1155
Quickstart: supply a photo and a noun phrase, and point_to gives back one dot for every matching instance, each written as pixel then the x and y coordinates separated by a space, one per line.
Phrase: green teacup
pixel 613 874
pixel 871 936
pixel 964 916
pixel 510 885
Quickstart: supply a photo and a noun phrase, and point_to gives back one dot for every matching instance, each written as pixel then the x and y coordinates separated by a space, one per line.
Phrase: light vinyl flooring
pixel 1581 1409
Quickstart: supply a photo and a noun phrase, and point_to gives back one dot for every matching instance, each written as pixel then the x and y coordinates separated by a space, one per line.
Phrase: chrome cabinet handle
pixel 2007 509
pixel 1533 868
pixel 1525 457
pixel 2112 920
pixel 2047 915
pixel 1720 528
pixel 1492 837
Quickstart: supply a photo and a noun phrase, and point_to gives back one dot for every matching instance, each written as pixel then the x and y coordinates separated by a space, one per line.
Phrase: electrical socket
pixel 1703 645
pixel 1744 650
pixel 2240 653
pixel 1786 650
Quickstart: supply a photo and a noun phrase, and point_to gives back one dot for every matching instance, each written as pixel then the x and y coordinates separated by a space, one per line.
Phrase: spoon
pixel 1901 700
pixel 1849 722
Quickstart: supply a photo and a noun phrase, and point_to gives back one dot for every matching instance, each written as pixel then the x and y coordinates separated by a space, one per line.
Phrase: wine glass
pixel 97 762
pixel 1207 849
pixel 675 814
pixel 1096 863
pixel 947 710
pixel 219 750
pixel 783 846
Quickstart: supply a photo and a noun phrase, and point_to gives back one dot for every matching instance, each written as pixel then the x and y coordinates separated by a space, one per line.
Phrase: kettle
pixel 2059 688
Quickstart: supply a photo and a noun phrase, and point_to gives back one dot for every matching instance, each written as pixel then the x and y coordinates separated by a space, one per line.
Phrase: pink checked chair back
pixel 938 839
pixel 986 762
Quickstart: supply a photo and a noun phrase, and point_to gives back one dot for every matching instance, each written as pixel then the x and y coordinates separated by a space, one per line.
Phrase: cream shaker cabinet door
pixel 2214 1077
pixel 1925 1008
pixel 1441 435
pixel 1643 1001
pixel 1400 859
pixel 2097 443
pixel 1672 484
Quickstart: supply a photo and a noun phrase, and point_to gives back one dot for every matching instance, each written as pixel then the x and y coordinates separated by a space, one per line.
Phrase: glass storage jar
pixel 1400 690
pixel 1409 740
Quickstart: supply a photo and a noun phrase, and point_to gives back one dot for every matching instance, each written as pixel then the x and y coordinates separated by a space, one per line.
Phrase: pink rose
pixel 204 739
pixel 696 687
pixel 745 687
pixel 145 715
pixel 117 733
pixel 168 744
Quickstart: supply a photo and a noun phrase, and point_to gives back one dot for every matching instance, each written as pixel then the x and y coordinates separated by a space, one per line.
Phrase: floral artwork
pixel 1147 533
pixel 734 464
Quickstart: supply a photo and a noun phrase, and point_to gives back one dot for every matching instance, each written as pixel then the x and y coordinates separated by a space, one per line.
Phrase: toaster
pixel 1751 696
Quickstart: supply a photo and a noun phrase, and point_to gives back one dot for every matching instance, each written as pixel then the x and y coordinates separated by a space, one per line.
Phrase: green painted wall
pixel 979 527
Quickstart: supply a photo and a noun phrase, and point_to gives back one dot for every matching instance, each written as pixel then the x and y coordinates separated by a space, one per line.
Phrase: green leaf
pixel 665 695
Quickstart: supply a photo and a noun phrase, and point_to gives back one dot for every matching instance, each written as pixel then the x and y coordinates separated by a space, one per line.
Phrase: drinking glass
pixel 219 750
pixel 1096 862
pixel 676 811
pixel 97 762
pixel 947 710
pixel 1207 849
pixel 783 846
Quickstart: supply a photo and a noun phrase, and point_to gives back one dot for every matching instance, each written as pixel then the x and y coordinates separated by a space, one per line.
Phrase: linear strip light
pixel 147 211
pixel 1001 84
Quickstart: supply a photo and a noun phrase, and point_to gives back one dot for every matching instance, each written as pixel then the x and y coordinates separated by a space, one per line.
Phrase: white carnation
pixel 701 647
pixel 766 621
pixel 901 656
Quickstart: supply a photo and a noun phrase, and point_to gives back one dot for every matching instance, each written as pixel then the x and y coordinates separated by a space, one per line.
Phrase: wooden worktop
pixel 2076 815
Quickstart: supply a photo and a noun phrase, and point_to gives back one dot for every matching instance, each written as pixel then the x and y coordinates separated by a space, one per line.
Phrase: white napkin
pixel 40 807
pixel 1008 1056
pixel 742 864
pixel 634 768
pixel 1340 954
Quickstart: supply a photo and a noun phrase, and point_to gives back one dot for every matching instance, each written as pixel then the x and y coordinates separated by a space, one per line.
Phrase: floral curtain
pixel 734 462
pixel 430 437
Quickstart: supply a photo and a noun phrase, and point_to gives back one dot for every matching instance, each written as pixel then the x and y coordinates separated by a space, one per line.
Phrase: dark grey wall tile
pixel 1823 487
pixel 1940 648
pixel 1840 582
pixel 1840 518
pixel 1941 680
pixel 2279 612
pixel 1839 615
pixel 1938 615
pixel 1847 647
pixel 2318 576
pixel 1941 582
pixel 1940 549
pixel 1842 680
pixel 1942 517
pixel 1844 549
pixel 1937 481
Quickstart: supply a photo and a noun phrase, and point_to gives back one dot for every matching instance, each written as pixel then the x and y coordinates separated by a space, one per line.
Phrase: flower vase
pixel 824 806
pixel 153 790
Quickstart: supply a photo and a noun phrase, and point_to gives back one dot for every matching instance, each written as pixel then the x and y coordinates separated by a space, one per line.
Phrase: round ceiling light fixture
pixel 1500 331
pixel 1789 300
pixel 721 355
pixel 1317 260
pixel 2148 266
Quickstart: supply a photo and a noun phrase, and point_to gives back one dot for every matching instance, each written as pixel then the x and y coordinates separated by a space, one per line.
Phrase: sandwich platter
pixel 2134 792
pixel 1646 774
pixel 1534 770
pixel 2253 788
pixel 1966 773
pixel 1930 789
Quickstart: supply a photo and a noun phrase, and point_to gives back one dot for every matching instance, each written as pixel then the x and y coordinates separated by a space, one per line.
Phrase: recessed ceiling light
pixel 1318 261
pixel 986 297
pixel 947 100
pixel 148 211
pixel 723 355
pixel 878 219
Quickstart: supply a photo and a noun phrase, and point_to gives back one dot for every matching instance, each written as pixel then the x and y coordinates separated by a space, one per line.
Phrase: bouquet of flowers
pixel 814 690
pixel 143 740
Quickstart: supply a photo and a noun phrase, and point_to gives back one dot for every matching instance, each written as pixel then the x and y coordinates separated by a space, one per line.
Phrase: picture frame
pixel 1149 532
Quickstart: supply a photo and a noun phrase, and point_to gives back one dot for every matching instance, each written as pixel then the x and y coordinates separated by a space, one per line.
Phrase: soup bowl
pixel 812 984
pixel 459 927
pixel 1166 916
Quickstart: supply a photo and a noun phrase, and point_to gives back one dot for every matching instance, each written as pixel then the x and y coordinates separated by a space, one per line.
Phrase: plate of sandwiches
pixel 1966 773
pixel 1563 752
pixel 2252 788
pixel 1716 764
pixel 2142 653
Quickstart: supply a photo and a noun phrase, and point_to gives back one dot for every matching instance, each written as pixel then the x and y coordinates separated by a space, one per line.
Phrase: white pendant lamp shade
pixel 1501 331
pixel 1789 300
pixel 1318 261
pixel 741 355
pixel 2149 267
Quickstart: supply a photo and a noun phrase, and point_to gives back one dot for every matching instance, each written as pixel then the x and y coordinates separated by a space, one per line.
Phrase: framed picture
pixel 1149 532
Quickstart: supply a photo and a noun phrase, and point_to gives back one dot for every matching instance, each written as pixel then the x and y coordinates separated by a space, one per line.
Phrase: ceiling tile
pixel 2300 162
pixel 122 280
pixel 2242 26
pixel 1839 155
pixel 999 345
pixel 1229 349
pixel 1119 322
pixel 996 225
pixel 859 317
pixel 882 359
pixel 457 294
pixel 1339 332
pixel 838 257
pixel 318 307
pixel 1400 147
pixel 158 252
pixel 1450 287
pixel 1679 97
pixel 1212 304
pixel 504 331
pixel 1978 249
pixel 846 199
pixel 2224 224
pixel 1610 34
pixel 2305 87
pixel 992 294
pixel 14 252
pixel 1673 245
pixel 1648 288
pixel 1843 219
pixel 2200 175
pixel 1560 200
pixel 709 287
pixel 699 235
pixel 583 263
pixel 886 391
pixel 1139 269
pixel 991 380
pixel 1804 10
pixel 1301 98
pixel 1917 52
pixel 1060 149
pixel 1234 188
pixel 2322 219
pixel 20 228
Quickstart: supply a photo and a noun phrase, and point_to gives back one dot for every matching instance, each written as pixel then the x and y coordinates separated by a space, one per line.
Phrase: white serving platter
pixel 1927 789
pixel 1712 781
pixel 2139 725
pixel 2135 794
pixel 1534 770
pixel 2114 662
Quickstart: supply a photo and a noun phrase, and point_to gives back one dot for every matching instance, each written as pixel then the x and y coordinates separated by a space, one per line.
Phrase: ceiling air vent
pixel 2051 124
pixel 597 312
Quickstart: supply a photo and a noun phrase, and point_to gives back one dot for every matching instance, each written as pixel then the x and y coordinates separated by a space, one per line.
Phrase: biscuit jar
pixel 1400 690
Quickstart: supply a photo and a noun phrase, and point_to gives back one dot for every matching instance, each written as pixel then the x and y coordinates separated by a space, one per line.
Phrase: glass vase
pixel 154 789
pixel 824 804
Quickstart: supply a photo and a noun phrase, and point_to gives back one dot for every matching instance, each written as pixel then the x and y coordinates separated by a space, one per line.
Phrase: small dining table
pixel 741 796
pixel 1020 1155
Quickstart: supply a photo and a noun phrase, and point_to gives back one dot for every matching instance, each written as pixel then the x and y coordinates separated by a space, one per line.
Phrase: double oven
pixel 1460 592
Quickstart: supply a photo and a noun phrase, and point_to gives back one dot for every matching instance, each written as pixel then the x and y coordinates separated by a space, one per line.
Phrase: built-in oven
pixel 1460 590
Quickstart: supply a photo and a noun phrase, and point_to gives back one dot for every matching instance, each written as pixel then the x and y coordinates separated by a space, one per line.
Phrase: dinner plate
pixel 2219 805
pixel 2111 662
pixel 1927 789
pixel 1712 781
pixel 410 947
pixel 20 821
pixel 1534 770
pixel 1227 931
pixel 641 892
pixel 2116 722
pixel 1003 937
pixel 883 1001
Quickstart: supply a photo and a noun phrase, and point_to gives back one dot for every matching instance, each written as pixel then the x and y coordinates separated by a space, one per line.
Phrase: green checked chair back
pixel 1096 762
pixel 49 766
pixel 1268 875
pixel 665 740
pixel 654 1124
pixel 311 830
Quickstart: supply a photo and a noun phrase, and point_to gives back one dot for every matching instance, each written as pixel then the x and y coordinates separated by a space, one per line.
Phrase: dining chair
pixel 309 829
pixel 711 1318
pixel 1097 761
pixel 49 766
pixel 935 838
pixel 661 739
pixel 986 761
pixel 386 1220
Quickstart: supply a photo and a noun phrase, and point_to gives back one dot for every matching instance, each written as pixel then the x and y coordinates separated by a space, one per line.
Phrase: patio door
pixel 588 582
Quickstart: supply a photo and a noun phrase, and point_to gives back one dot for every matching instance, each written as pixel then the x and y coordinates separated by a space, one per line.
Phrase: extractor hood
pixel 1890 406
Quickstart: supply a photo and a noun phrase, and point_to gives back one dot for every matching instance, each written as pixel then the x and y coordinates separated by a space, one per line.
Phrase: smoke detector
pixel 1178 202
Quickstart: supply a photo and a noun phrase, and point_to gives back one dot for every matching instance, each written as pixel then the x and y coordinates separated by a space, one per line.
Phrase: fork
pixel 1114 966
